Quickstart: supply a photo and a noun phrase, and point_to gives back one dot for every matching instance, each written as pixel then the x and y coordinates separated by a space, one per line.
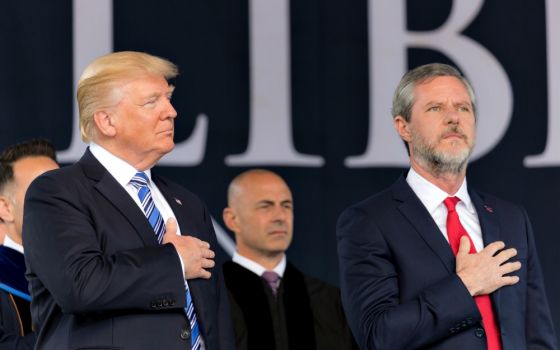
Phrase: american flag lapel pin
pixel 178 201
pixel 488 208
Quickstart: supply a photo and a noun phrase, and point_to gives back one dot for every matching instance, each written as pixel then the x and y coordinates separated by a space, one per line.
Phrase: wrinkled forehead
pixel 442 88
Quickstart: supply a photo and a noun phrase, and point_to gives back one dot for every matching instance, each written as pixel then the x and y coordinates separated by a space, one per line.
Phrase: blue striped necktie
pixel 140 183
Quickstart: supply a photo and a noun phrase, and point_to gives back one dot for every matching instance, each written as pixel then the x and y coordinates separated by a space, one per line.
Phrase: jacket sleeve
pixel 540 332
pixel 370 293
pixel 10 338
pixel 9 341
pixel 225 325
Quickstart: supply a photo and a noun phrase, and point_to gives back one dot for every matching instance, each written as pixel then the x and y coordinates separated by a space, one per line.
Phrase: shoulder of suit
pixel 492 201
pixel 175 188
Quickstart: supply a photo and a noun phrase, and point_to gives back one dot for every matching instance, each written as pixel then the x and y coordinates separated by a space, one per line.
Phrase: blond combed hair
pixel 97 87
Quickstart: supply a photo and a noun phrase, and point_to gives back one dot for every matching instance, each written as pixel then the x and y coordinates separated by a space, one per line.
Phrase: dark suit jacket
pixel 306 314
pixel 398 281
pixel 98 277
pixel 15 318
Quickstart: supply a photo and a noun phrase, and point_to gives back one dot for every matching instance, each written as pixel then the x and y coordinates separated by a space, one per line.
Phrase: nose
pixel 169 111
pixel 452 117
pixel 280 214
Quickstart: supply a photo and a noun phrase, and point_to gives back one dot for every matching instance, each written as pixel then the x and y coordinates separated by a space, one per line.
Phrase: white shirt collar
pixel 432 196
pixel 258 268
pixel 120 169
pixel 8 242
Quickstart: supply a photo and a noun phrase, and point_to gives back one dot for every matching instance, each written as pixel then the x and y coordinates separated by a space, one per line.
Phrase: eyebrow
pixel 158 94
pixel 268 201
pixel 439 103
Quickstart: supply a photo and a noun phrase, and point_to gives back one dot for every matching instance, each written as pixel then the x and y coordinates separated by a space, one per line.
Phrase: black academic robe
pixel 15 317
pixel 305 314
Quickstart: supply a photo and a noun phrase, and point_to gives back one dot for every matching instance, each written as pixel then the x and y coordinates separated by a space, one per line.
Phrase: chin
pixel 168 147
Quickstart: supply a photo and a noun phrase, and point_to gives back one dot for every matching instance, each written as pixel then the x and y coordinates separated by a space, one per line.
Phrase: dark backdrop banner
pixel 304 88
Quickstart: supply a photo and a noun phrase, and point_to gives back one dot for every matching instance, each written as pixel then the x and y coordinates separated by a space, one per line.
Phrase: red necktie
pixel 454 233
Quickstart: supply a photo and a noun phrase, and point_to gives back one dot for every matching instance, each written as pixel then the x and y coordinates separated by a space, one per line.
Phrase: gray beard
pixel 439 162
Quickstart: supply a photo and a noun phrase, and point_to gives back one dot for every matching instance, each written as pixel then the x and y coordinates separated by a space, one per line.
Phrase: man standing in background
pixel 274 305
pixel 19 165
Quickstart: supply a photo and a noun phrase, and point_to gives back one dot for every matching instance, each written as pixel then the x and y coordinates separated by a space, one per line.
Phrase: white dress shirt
pixel 432 197
pixel 123 173
pixel 8 242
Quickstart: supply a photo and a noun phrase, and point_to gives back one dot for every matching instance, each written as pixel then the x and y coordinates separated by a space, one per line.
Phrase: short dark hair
pixel 29 148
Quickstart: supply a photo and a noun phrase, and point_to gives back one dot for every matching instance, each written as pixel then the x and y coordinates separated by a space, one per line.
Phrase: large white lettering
pixel 389 40
pixel 92 24
pixel 551 154
pixel 270 129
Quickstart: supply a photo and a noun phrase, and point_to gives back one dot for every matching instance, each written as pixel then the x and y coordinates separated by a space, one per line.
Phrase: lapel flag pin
pixel 488 209
pixel 178 201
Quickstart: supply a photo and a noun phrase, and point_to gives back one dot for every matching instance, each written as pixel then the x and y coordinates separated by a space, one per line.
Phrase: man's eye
pixel 434 109
pixel 464 109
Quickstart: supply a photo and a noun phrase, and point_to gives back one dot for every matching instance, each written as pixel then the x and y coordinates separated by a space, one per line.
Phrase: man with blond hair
pixel 119 258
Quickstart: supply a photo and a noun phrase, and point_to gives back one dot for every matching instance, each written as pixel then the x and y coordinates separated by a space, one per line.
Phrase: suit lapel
pixel 417 215
pixel 114 193
pixel 490 229
pixel 180 206
pixel 177 205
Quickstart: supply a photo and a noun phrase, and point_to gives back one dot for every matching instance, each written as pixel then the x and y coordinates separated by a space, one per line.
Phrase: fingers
pixel 493 247
pixel 505 255
pixel 510 267
pixel 204 274
pixel 207 263
pixel 207 253
pixel 464 246
pixel 509 280
pixel 171 226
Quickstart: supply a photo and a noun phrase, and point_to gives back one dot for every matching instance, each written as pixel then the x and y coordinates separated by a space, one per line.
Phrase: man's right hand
pixel 484 272
pixel 195 253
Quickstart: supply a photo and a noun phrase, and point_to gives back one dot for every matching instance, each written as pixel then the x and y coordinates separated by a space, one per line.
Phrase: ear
pixel 230 219
pixel 402 127
pixel 105 123
pixel 6 209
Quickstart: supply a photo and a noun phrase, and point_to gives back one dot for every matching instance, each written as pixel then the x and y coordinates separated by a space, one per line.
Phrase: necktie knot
pixel 139 180
pixel 272 279
pixel 451 202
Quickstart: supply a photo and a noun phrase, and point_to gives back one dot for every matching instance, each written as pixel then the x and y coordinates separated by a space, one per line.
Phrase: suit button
pixel 479 332
pixel 185 334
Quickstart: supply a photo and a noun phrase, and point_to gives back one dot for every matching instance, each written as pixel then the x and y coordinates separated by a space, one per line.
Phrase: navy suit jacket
pixel 399 286
pixel 98 277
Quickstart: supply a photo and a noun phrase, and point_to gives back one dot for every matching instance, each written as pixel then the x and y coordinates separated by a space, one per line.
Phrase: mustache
pixel 453 130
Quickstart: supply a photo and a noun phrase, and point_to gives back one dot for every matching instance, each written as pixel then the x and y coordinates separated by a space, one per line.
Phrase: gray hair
pixel 404 94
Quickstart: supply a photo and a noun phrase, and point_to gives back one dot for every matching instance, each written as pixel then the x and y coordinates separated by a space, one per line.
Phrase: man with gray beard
pixel 430 263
